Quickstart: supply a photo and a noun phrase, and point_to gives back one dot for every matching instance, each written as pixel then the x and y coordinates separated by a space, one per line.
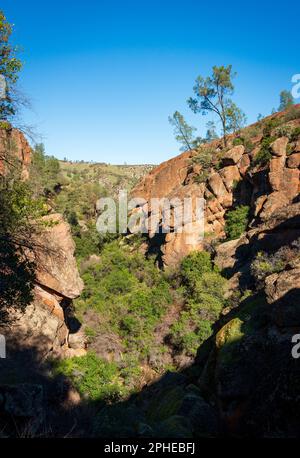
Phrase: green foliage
pixel 292 113
pixel 206 159
pixel 129 293
pixel 295 134
pixel 201 177
pixel 265 264
pixel 194 266
pixel 92 376
pixel 19 221
pixel 45 174
pixel 10 67
pixel 283 131
pixel 237 222
pixel 237 141
pixel 184 133
pixel 264 155
pixel 270 125
pixel 204 289
pixel 79 193
pixel 88 241
pixel 245 141
pixel 286 100
pixel 17 284
pixel 212 96
pixel 236 118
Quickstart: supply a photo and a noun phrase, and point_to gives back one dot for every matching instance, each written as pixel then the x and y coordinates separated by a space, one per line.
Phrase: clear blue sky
pixel 103 76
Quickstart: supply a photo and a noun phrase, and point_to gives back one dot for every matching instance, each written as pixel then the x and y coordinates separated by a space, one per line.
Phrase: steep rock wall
pixel 235 179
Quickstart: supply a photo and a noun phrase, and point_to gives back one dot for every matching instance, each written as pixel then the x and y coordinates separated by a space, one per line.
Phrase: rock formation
pixel 237 180
pixel 245 373
pixel 13 144
pixel 48 323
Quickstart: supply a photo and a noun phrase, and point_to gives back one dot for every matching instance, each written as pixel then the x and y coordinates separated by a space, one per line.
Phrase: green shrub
pixel 194 266
pixel 264 155
pixel 201 177
pixel 237 141
pixel 129 293
pixel 295 134
pixel 237 222
pixel 204 290
pixel 91 376
pixel 245 141
pixel 270 125
pixel 45 173
pixel 283 131
pixel 265 264
pixel 205 158
pixel 292 113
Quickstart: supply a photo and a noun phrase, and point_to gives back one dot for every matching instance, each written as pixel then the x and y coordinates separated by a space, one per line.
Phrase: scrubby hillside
pixel 243 381
pixel 185 340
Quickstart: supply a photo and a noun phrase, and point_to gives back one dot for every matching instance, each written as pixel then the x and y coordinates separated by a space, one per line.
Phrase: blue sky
pixel 103 76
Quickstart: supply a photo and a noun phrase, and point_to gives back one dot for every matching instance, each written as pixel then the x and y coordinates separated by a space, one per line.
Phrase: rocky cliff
pixel 14 145
pixel 48 323
pixel 244 380
pixel 235 176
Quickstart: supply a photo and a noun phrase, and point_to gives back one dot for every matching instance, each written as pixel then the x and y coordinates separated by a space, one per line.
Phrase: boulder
pixel 244 164
pixel 233 156
pixel 54 255
pixel 276 173
pixel 278 147
pixel 230 176
pixel 14 142
pixel 225 257
pixel 217 186
pixel 293 161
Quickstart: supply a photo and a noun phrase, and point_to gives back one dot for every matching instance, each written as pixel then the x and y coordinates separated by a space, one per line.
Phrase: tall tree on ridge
pixel 212 94
pixel 286 100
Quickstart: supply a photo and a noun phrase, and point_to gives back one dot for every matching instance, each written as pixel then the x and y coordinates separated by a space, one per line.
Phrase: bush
pixel 264 155
pixel 237 222
pixel 91 376
pixel 193 267
pixel 295 134
pixel 205 158
pixel 237 141
pixel 45 174
pixel 204 290
pixel 201 177
pixel 245 141
pixel 265 264
pixel 130 295
pixel 270 125
pixel 283 131
pixel 292 113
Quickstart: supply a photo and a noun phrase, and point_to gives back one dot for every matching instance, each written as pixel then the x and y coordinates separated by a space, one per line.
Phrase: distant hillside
pixel 111 177
pixel 81 184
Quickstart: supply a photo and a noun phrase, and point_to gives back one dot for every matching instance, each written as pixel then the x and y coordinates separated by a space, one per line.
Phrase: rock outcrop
pixel 245 373
pixel 14 144
pixel 238 180
pixel 48 323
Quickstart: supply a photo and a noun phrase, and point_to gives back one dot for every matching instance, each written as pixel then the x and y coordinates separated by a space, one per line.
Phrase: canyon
pixel 243 376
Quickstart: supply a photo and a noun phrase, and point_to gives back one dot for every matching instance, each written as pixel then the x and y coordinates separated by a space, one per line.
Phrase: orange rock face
pixel 264 188
pixel 45 321
pixel 14 144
